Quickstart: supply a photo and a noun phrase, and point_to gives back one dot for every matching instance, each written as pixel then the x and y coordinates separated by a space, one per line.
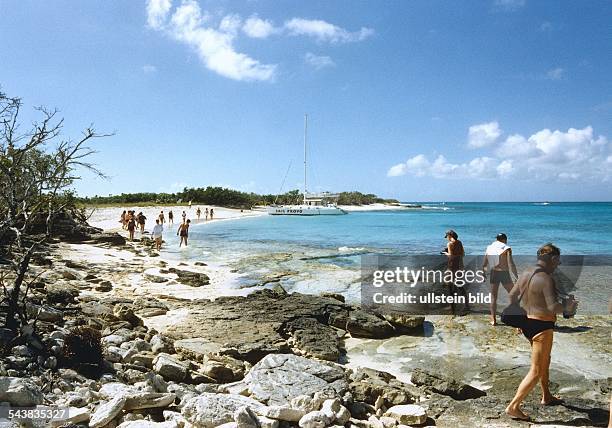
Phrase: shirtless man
pixel 541 302
pixel 498 258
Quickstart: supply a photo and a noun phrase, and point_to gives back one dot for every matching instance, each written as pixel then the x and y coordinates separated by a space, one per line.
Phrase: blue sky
pixel 418 100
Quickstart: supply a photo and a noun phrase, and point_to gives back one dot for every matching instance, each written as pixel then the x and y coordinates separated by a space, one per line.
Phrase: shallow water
pixel 323 253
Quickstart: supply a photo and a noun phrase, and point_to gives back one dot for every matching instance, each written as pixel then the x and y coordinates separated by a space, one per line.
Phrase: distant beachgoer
pixel 183 232
pixel 141 221
pixel 455 253
pixel 498 258
pixel 123 219
pixel 170 217
pixel 184 215
pixel 206 214
pixel 189 204
pixel 540 300
pixel 211 213
pixel 131 225
pixel 157 234
pixel 198 213
pixel 162 218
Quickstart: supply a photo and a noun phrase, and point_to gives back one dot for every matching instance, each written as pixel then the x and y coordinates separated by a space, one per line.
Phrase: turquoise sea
pixel 323 253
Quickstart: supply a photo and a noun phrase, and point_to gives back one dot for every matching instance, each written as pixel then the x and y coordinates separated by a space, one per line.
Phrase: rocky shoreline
pixel 120 355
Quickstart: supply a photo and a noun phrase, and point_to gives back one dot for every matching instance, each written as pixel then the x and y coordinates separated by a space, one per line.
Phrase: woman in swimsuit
pixel 540 301
pixel 170 217
pixel 455 253
pixel 183 232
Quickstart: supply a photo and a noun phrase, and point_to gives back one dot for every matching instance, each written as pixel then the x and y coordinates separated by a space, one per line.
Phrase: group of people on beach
pixel 129 221
pixel 536 292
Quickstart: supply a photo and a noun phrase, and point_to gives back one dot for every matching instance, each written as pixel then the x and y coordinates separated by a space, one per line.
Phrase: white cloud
pixel 324 31
pixel 214 46
pixel 157 11
pixel 508 5
pixel 397 170
pixel 149 69
pixel 555 74
pixel 483 134
pixel 230 24
pixel 573 155
pixel 318 61
pixel 258 28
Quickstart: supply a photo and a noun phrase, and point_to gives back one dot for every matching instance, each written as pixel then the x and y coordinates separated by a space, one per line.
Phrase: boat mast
pixel 305 134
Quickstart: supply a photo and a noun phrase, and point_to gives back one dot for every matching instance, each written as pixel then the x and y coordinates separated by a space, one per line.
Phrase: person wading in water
pixel 183 232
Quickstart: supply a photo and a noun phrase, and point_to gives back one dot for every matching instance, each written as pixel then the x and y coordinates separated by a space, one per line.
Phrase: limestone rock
pixel 170 368
pixel 278 378
pixel 316 419
pixel 107 411
pixel 148 424
pixel 283 413
pixel 148 400
pixel 209 410
pixel 445 386
pixel 408 414
pixel 75 415
pixel 19 392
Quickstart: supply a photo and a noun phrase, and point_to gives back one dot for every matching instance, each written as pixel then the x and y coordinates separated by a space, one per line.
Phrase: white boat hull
pixel 305 210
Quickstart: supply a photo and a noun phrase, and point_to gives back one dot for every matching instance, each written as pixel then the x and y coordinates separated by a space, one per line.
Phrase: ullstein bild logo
pixel 423 284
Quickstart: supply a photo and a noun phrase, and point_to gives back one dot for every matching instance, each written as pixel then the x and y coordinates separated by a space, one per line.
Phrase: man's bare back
pixel 540 300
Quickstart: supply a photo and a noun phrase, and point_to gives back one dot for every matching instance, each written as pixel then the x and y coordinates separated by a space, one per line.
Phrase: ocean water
pixel 323 253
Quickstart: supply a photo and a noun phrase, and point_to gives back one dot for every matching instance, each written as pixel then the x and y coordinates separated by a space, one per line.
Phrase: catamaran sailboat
pixel 313 203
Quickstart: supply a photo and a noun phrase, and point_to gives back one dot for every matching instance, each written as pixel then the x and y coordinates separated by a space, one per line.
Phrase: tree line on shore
pixel 221 196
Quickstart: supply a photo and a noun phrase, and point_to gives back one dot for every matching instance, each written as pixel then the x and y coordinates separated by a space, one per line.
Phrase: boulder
pixel 283 413
pixel 404 323
pixel 445 386
pixel 104 286
pixel 245 418
pixel 161 344
pixel 148 400
pixel 112 389
pixel 170 368
pixel 366 325
pixel 313 339
pixel 192 279
pixel 373 386
pixel 75 415
pixel 316 419
pixel 278 378
pixel 209 410
pixel 108 238
pixel 408 414
pixel 149 424
pixel 19 392
pixel 107 411
pixel 125 313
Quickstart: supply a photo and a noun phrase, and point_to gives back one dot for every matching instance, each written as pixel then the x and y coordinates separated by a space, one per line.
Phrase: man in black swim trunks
pixel 541 302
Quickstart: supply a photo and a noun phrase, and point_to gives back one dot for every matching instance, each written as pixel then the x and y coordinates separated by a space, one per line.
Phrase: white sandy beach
pixel 108 218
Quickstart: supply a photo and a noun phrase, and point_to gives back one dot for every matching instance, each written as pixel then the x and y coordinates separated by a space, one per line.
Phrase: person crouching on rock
pixel 541 302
